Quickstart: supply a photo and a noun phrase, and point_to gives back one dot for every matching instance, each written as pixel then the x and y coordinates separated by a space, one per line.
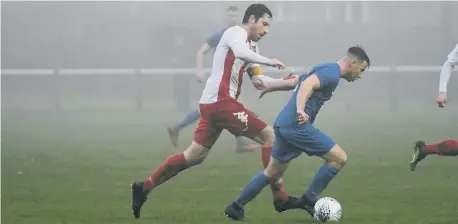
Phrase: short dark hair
pixel 360 54
pixel 257 10
pixel 232 8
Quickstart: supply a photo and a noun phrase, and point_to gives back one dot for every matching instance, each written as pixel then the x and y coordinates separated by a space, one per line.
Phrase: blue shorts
pixel 291 142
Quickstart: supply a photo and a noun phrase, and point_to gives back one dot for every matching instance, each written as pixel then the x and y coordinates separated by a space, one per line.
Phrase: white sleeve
pixel 236 39
pixel 264 78
pixel 252 65
pixel 447 69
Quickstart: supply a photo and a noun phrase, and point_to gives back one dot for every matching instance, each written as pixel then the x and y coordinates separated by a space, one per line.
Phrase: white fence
pixel 192 71
pixel 138 98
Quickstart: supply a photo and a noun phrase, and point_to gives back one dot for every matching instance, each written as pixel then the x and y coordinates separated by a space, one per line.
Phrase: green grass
pixel 76 167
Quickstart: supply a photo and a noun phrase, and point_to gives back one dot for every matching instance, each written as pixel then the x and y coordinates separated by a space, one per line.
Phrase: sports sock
pixel 278 189
pixel 323 177
pixel 189 119
pixel 171 167
pixel 265 155
pixel 252 189
pixel 447 147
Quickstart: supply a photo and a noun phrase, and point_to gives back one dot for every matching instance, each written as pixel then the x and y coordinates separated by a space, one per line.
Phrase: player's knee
pixel 340 161
pixel 337 157
pixel 275 170
pixel 338 164
pixel 272 175
pixel 195 154
pixel 267 136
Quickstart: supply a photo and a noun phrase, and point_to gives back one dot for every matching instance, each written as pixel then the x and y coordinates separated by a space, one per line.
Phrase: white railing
pixel 55 96
pixel 191 71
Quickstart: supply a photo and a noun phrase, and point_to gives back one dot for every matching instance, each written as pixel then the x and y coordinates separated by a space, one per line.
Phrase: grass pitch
pixel 76 167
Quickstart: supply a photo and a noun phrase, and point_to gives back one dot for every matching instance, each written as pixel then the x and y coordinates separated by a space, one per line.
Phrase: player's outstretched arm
pixel 269 84
pixel 260 81
pixel 242 52
pixel 237 42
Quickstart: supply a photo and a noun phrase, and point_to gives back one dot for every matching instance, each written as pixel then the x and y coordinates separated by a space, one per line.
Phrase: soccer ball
pixel 327 209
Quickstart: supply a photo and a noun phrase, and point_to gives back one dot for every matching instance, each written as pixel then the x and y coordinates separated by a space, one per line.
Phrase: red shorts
pixel 226 114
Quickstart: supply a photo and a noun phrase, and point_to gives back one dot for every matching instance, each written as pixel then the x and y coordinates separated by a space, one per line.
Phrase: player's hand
pixel 200 76
pixel 277 64
pixel 291 75
pixel 302 117
pixel 265 89
pixel 442 100
pixel 260 85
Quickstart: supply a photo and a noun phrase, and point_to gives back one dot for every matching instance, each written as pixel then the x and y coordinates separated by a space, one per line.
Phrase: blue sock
pixel 252 189
pixel 189 119
pixel 323 177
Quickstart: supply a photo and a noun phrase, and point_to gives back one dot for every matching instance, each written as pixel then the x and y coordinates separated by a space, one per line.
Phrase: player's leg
pixel 174 130
pixel 243 144
pixel 242 122
pixel 205 137
pixel 335 161
pixel 176 163
pixel 266 138
pixel 193 155
pixel 448 147
pixel 271 174
pixel 259 131
pixel 315 143
pixel 282 154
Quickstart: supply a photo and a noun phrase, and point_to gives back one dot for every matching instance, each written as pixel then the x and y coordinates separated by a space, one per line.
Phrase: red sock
pixel 171 167
pixel 265 155
pixel 447 147
pixel 278 190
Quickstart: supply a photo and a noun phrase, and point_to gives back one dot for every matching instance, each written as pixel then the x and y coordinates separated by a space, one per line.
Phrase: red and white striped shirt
pixel 233 54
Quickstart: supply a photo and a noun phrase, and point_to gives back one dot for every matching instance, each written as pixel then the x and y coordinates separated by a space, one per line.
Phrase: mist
pixel 78 77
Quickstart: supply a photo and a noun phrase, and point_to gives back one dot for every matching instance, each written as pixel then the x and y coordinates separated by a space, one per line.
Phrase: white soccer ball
pixel 327 209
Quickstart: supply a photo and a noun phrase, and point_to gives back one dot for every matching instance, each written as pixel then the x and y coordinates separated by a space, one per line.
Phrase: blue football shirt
pixel 329 76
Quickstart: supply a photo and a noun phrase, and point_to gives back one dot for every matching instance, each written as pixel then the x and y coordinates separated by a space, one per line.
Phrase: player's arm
pixel 269 84
pixel 447 70
pixel 204 49
pixel 309 85
pixel 284 84
pixel 209 44
pixel 236 40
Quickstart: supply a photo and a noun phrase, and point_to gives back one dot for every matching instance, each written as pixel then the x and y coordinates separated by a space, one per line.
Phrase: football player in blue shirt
pixel 295 133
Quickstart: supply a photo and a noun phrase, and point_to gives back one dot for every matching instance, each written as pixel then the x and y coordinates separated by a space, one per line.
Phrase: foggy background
pixel 141 55
pixel 89 88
